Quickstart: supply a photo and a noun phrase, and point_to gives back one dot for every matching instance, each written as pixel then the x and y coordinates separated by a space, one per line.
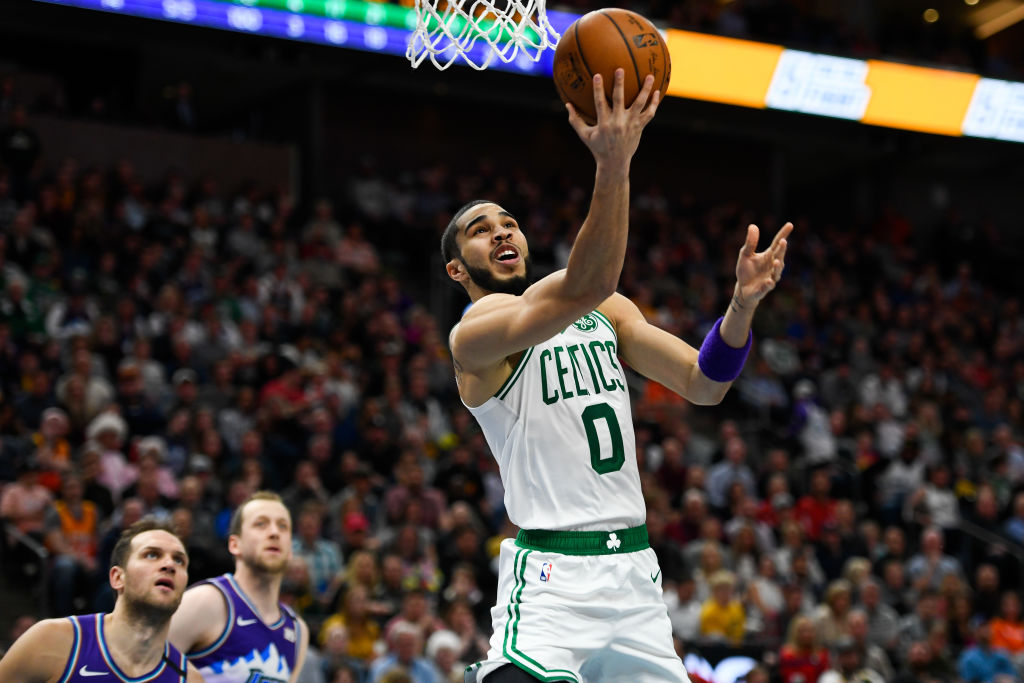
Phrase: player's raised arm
pixel 704 377
pixel 490 247
pixel 40 654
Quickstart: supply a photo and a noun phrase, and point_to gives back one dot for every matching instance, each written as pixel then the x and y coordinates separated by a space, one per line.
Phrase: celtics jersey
pixel 562 432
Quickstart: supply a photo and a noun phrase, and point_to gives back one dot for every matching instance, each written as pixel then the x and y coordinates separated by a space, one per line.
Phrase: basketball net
pixel 478 31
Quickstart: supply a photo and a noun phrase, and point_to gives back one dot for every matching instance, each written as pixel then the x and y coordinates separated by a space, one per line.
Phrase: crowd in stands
pixel 862 29
pixel 168 346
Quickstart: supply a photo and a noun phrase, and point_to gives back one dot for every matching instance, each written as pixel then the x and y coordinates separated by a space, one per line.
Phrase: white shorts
pixel 581 618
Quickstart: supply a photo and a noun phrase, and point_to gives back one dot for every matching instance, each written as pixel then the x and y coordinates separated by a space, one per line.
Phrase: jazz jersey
pixel 248 650
pixel 90 660
pixel 562 431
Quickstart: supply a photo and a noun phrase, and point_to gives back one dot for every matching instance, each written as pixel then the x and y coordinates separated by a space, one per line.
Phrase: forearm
pixel 595 261
pixel 739 316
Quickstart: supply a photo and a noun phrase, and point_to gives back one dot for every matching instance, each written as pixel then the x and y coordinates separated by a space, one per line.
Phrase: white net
pixel 479 31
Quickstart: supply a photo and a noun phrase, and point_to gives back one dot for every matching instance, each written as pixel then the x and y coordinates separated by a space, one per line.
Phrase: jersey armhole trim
pixel 603 318
pixel 228 626
pixel 502 391
pixel 76 648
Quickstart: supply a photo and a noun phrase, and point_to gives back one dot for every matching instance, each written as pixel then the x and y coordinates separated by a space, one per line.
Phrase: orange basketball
pixel 600 42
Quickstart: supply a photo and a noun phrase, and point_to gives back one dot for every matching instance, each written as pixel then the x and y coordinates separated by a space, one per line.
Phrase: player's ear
pixel 116 578
pixel 457 270
pixel 233 544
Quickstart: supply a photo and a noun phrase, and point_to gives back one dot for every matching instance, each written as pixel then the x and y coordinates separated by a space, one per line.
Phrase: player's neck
pixel 262 589
pixel 135 642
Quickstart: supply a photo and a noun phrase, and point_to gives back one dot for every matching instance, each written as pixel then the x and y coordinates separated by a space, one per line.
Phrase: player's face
pixel 494 250
pixel 156 573
pixel 265 542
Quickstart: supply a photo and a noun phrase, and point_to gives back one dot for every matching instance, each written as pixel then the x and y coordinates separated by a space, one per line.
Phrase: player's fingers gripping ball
pixel 600 42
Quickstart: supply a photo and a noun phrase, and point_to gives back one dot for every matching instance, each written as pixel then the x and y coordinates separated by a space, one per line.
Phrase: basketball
pixel 600 42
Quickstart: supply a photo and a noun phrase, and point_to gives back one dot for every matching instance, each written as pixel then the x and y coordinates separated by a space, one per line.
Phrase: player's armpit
pixel 499 325
pixel 660 356
pixel 199 620
pixel 194 676
pixel 40 654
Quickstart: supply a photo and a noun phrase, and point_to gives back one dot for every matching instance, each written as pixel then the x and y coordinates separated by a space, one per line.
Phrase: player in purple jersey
pixel 149 572
pixel 233 628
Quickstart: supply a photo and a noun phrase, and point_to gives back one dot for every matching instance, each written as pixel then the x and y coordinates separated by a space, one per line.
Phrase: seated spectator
pixel 830 617
pixel 322 556
pixel 721 615
pixel 405 653
pixel 1007 630
pixel 335 653
pixel 442 650
pixel 849 666
pixel 354 615
pixel 802 658
pixel 473 644
pixel 883 620
pixel 874 657
pixel 72 536
pixel 418 611
pixel 929 567
pixel 915 626
pixel 981 663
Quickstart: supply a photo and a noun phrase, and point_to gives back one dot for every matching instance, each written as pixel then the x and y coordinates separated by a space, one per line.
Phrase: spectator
pixel 802 658
pixel 874 656
pixel 830 619
pixel 72 536
pixel 849 666
pixel 404 653
pixel 929 567
pixel 322 556
pixel 732 469
pixel 721 616
pixel 981 663
pixel 442 650
pixel 1006 631
pixel 354 615
pixel 883 620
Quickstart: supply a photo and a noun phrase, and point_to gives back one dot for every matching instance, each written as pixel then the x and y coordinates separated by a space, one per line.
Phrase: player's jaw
pixel 157 596
pixel 269 557
pixel 509 276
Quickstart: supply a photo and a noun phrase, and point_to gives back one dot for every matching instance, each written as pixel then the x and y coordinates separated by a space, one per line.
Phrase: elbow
pixel 712 396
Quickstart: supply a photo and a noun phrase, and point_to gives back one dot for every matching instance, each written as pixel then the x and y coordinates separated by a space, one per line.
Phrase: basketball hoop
pixel 478 31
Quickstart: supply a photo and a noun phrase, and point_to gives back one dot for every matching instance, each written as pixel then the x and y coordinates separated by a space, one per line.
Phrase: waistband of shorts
pixel 615 542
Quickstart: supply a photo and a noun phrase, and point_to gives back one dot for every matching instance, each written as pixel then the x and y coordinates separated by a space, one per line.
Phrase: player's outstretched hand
pixel 615 136
pixel 758 273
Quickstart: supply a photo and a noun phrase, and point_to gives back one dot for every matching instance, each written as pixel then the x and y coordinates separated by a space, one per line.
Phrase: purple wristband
pixel 719 361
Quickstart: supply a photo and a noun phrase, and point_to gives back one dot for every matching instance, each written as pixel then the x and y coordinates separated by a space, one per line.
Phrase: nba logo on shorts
pixel 545 571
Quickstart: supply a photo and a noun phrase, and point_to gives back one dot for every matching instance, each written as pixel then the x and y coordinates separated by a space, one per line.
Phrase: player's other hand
pixel 615 136
pixel 757 273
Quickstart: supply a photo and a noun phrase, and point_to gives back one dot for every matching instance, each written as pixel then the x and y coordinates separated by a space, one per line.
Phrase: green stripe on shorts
pixel 510 648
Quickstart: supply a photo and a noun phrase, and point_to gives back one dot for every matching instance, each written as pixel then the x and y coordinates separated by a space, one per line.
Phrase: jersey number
pixel 603 411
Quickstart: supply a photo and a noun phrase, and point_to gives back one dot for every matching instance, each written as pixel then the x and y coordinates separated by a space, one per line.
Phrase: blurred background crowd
pixel 168 345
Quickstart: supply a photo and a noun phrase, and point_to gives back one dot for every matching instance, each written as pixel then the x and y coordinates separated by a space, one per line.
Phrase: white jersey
pixel 561 430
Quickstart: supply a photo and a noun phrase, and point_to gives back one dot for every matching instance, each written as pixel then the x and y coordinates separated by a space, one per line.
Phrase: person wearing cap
pixel 109 430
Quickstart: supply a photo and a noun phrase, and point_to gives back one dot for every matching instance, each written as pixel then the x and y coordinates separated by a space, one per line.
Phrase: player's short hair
pixel 449 247
pixel 235 527
pixel 123 547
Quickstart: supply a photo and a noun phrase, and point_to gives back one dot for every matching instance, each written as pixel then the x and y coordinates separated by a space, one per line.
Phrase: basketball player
pixel 579 596
pixel 234 627
pixel 148 572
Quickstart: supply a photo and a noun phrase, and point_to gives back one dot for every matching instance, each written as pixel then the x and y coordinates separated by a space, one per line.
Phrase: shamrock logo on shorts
pixel 613 542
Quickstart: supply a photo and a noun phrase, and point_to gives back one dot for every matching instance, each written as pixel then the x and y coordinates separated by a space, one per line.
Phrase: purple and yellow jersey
pixel 90 660
pixel 248 650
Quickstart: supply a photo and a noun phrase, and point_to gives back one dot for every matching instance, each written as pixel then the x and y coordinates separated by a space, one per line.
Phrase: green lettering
pixel 595 348
pixel 544 379
pixel 576 372
pixel 609 346
pixel 590 364
pixel 562 370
